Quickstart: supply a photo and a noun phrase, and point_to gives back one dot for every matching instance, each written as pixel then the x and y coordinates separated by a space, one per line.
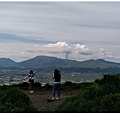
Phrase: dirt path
pixel 40 100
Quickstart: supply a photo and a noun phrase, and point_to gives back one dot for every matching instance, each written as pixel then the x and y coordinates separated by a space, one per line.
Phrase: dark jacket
pixel 57 76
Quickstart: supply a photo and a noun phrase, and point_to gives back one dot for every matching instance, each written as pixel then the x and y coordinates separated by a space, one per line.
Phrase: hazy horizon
pixel 55 57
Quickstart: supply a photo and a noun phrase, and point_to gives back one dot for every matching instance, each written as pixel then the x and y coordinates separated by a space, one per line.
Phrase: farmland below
pixel 9 77
pixel 12 72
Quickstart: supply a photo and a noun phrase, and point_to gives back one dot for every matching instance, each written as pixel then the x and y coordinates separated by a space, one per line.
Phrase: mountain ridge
pixel 7 62
pixel 46 63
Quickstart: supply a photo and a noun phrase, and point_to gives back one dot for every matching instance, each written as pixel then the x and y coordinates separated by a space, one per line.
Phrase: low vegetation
pixel 100 96
pixel 14 100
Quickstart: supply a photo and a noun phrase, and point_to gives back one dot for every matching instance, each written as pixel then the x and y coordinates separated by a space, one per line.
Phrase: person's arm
pixel 59 72
pixel 35 71
pixel 25 77
pixel 53 75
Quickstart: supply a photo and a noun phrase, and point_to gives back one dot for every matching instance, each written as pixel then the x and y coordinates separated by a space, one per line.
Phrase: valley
pixel 9 77
pixel 12 72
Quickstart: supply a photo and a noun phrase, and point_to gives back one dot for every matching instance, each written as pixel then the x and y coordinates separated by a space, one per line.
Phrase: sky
pixel 68 30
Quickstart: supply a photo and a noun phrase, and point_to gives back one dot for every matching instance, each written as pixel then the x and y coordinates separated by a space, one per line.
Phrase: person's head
pixel 31 72
pixel 55 70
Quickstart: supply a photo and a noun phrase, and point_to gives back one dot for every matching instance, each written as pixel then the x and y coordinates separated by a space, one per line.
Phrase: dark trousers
pixel 56 87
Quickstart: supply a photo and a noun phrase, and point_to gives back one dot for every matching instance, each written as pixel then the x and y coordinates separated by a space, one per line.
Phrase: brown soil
pixel 42 99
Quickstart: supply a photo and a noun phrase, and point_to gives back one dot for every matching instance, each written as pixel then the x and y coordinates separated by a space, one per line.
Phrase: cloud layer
pixel 20 52
pixel 71 30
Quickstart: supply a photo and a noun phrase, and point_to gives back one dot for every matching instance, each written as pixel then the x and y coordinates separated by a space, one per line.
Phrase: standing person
pixel 31 77
pixel 57 84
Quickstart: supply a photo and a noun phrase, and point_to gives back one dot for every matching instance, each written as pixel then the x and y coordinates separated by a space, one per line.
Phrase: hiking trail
pixel 41 99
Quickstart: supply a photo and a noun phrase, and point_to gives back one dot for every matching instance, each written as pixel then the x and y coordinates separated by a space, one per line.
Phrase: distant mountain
pixel 45 63
pixel 99 63
pixel 6 62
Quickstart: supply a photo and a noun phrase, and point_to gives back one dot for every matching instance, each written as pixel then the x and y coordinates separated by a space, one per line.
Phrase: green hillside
pixel 45 61
pixel 47 64
pixel 99 63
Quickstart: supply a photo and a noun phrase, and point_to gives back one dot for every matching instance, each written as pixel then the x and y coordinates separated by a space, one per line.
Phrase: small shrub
pixel 15 100
pixel 108 103
pixel 47 86
pixel 37 84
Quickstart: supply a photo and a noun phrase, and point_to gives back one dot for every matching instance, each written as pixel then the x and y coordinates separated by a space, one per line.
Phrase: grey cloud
pixel 16 38
pixel 54 20
pixel 94 24
pixel 107 55
pixel 104 52
pixel 85 53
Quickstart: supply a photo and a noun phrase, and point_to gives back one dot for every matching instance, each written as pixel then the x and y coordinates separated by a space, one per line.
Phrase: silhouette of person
pixel 57 84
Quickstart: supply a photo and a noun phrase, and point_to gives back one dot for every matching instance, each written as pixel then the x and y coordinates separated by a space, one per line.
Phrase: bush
pixel 47 86
pixel 72 86
pixel 100 96
pixel 37 84
pixel 68 86
pixel 15 100
pixel 107 103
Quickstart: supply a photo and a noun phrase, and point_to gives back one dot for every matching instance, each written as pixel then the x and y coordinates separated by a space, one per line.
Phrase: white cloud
pixel 107 55
pixel 59 47
pixel 104 52
pixel 68 49
pixel 82 49
pixel 19 51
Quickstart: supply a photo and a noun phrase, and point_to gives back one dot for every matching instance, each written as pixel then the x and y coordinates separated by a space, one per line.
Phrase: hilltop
pixel 7 62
